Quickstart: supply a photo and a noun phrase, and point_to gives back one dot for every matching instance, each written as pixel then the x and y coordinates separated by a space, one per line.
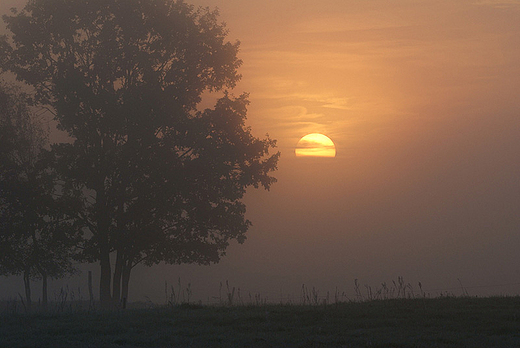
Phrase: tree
pixel 155 178
pixel 34 239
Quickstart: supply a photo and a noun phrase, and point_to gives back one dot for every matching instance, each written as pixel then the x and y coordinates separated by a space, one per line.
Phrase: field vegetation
pixel 405 321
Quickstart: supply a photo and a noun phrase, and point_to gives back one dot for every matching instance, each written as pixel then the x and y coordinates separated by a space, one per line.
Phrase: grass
pixel 399 322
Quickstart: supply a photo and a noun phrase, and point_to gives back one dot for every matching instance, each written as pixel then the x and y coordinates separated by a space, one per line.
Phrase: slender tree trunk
pixel 27 284
pixel 105 297
pixel 120 259
pixel 43 273
pixel 104 281
pixel 103 225
pixel 44 289
pixel 126 279
pixel 118 270
pixel 90 292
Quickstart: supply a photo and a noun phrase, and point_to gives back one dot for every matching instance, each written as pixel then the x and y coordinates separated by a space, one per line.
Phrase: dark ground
pixel 439 322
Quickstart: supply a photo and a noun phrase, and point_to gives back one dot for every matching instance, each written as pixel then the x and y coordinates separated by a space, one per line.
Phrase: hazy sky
pixel 422 101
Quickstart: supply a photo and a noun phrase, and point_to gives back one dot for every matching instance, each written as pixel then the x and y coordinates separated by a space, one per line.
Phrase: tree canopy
pixel 153 178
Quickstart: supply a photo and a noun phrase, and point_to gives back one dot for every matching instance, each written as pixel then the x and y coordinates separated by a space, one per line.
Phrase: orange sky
pixel 422 101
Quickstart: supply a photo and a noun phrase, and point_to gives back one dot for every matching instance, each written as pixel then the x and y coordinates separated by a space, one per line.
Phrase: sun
pixel 315 145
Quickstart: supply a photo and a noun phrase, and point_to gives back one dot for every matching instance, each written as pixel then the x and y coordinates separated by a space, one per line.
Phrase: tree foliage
pixel 154 178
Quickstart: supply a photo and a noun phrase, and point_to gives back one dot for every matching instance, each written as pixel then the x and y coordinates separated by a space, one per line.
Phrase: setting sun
pixel 315 145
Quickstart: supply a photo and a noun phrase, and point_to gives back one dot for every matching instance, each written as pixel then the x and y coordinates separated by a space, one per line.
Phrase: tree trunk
pixel 90 292
pixel 43 273
pixel 105 297
pixel 126 279
pixel 104 281
pixel 116 287
pixel 103 225
pixel 44 290
pixel 27 284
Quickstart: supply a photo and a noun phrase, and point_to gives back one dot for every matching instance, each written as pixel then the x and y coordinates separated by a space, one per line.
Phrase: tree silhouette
pixel 154 178
pixel 35 240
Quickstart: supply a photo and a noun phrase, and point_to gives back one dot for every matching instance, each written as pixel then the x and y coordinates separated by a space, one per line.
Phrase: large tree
pixel 155 178
pixel 36 240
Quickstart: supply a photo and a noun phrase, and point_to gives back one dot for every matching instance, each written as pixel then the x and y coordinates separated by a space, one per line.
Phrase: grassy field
pixel 423 322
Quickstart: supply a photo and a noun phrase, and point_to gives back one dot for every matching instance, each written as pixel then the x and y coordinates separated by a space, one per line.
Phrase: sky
pixel 421 100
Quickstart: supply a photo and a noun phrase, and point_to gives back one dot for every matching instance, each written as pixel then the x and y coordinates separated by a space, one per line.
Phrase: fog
pixel 421 100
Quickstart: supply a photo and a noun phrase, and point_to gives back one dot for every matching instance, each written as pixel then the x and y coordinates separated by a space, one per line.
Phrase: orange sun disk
pixel 315 145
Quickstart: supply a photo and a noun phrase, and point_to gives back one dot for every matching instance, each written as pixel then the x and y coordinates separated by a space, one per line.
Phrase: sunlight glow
pixel 315 145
